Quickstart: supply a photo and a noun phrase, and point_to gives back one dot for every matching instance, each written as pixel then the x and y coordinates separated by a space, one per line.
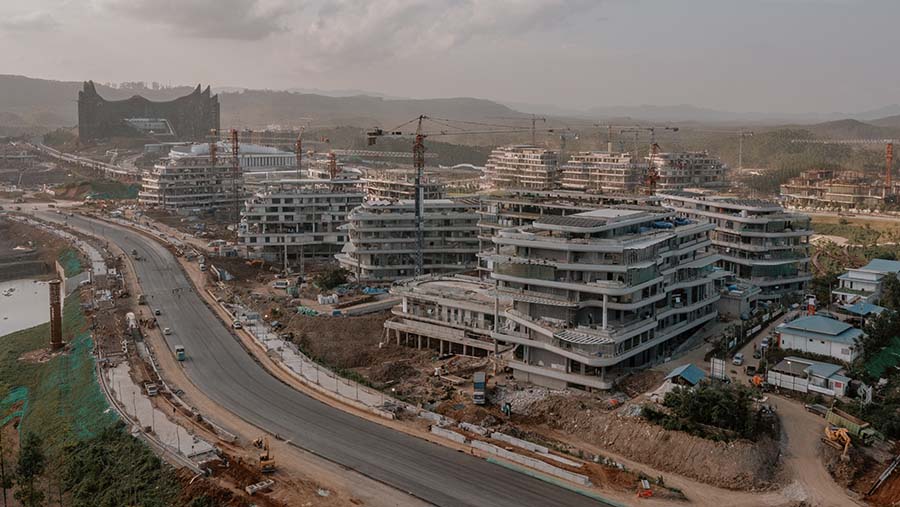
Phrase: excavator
pixel 839 438
pixel 266 460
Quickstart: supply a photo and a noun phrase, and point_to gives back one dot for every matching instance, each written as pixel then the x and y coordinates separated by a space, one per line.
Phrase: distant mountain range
pixel 34 105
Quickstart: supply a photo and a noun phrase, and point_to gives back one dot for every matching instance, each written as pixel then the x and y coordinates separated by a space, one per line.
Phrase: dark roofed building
pixel 187 118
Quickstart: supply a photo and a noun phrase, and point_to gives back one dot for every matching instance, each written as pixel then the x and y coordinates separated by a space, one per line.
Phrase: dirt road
pixel 801 439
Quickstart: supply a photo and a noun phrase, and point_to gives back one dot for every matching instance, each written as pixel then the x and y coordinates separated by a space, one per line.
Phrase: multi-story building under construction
pixel 191 184
pixel 830 189
pixel 603 172
pixel 522 166
pixel 519 208
pixel 388 185
pixel 382 238
pixel 597 293
pixel 451 314
pixel 299 220
pixel 689 169
pixel 756 240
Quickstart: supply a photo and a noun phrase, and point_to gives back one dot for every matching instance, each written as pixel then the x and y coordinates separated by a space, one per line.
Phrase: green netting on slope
pixel 70 262
pixel 15 396
pixel 887 358
pixel 64 402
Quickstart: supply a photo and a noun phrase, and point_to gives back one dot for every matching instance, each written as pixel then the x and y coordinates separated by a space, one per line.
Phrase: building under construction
pixel 688 169
pixel 603 172
pixel 519 208
pixel 382 238
pixel 293 221
pixel 450 314
pixel 597 293
pixel 755 239
pixel 834 190
pixel 400 184
pixel 191 185
pixel 522 166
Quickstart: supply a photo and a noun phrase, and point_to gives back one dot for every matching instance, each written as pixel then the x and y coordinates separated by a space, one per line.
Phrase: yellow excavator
pixel 266 460
pixel 839 438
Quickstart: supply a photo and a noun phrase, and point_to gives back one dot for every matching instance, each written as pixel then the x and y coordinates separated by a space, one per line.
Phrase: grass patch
pixel 855 228
pixel 64 401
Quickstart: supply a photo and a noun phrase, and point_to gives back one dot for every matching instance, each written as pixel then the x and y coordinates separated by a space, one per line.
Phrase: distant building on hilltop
pixel 186 118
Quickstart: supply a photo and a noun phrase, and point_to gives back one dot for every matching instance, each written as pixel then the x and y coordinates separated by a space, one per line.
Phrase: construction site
pixel 544 312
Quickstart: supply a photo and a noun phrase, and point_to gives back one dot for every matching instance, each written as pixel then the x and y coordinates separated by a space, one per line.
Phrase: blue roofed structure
pixel 687 374
pixel 864 309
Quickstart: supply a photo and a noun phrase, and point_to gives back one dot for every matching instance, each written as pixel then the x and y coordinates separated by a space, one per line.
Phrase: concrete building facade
pixel 757 240
pixel 689 169
pixel 603 172
pixel 382 238
pixel 394 185
pixel 522 166
pixel 451 314
pixel 299 220
pixel 596 293
pixel 191 184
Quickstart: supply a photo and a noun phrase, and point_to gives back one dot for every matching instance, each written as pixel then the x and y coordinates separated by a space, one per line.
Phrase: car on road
pixel 236 324
pixel 757 354
pixel 750 370
pixel 167 331
pixel 738 359
pixel 157 312
pixel 764 343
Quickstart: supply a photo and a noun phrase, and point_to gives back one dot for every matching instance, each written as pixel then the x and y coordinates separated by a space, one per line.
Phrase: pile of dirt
pixel 391 370
pixel 851 472
pixel 345 342
pixel 194 491
pixel 739 464
pixel 637 383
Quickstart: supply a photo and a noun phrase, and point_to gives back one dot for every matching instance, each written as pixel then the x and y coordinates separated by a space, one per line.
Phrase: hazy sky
pixel 737 55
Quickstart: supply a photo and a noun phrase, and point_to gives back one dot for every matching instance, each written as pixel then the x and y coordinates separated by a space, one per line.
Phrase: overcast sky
pixel 737 55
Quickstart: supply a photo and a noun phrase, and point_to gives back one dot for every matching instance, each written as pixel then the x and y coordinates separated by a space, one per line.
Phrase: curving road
pixel 220 366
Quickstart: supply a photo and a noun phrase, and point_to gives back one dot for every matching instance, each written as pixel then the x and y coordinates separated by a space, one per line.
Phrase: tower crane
pixel 652 175
pixel 534 119
pixel 741 135
pixel 444 127
pixel 888 154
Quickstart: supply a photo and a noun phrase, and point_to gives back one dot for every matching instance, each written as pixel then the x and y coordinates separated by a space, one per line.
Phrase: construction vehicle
pixel 266 460
pixel 480 386
pixel 839 438
pixel 855 426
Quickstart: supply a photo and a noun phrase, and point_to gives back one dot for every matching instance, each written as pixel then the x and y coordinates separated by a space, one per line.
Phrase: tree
pixel 330 279
pixel 878 333
pixel 6 481
pixel 890 293
pixel 821 286
pixel 30 466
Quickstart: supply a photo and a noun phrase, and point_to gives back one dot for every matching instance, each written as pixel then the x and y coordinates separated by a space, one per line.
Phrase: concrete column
pixel 605 299
pixel 419 342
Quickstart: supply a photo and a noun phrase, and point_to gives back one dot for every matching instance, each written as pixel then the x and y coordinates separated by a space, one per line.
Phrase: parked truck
pixel 855 426
pixel 480 386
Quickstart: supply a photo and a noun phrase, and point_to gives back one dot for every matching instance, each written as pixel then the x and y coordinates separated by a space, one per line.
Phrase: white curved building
pixel 599 292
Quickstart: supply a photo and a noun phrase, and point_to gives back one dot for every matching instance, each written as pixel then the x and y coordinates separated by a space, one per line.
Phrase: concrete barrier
pixel 532 463
pixel 436 418
pixel 474 428
pixel 448 434
pixel 564 461
pixel 518 442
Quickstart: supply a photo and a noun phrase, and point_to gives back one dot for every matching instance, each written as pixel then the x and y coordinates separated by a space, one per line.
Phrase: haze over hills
pixel 29 104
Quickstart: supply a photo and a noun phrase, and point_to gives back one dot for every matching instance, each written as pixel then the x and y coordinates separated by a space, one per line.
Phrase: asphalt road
pixel 220 366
